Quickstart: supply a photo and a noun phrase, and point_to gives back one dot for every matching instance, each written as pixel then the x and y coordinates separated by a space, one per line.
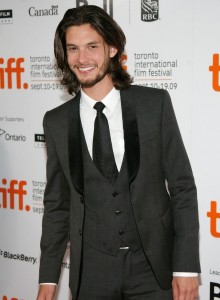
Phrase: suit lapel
pixel 131 137
pixel 74 146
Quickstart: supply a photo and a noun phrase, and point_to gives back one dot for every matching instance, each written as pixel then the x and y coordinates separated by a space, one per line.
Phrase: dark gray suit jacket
pixel 162 187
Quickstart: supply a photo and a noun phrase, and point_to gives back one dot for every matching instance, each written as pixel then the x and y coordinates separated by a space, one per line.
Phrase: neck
pixel 100 89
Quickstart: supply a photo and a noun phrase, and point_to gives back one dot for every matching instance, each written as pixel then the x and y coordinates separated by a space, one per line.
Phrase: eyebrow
pixel 90 43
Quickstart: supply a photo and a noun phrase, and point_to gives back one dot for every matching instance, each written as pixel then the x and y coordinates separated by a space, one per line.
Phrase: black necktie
pixel 103 155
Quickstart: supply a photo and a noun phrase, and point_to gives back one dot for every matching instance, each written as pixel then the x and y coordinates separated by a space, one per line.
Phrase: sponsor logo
pixel 214 216
pixel 13 69
pixel 18 256
pixel 214 272
pixel 39 140
pixel 2 131
pixel 124 58
pixel 149 10
pixel 214 291
pixel 52 11
pixel 12 137
pixel 12 194
pixel 6 16
pixel 107 5
pixel 215 69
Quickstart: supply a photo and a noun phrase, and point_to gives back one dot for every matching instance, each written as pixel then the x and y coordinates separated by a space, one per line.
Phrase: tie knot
pixel 99 106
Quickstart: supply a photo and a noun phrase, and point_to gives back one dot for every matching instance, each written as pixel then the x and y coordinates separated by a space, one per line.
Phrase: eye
pixel 93 46
pixel 71 49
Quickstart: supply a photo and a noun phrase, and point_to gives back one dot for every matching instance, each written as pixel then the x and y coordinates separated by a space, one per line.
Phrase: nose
pixel 82 58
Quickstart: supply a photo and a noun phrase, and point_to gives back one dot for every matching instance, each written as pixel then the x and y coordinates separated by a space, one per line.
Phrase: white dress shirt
pixel 113 114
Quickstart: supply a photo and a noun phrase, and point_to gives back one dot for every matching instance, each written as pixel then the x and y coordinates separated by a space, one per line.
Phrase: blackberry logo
pixel 149 10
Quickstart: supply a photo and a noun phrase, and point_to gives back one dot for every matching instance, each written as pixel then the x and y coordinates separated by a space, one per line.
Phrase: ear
pixel 112 51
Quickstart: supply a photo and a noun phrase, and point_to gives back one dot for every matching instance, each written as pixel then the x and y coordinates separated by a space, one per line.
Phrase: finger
pixel 175 291
pixel 182 295
pixel 191 294
pixel 194 294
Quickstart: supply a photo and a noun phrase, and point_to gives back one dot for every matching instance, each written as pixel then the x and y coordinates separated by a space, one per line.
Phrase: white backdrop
pixel 175 51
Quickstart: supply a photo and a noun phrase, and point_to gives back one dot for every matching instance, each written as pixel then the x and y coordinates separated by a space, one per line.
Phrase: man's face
pixel 88 55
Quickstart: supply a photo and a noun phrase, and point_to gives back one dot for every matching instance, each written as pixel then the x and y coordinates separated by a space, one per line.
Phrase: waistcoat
pixel 109 221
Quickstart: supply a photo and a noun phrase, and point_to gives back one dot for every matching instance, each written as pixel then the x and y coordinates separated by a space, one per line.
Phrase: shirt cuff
pixel 49 283
pixel 185 274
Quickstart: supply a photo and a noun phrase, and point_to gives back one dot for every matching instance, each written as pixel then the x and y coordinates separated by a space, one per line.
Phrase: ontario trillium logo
pixel 12 137
pixel 2 131
pixel 149 10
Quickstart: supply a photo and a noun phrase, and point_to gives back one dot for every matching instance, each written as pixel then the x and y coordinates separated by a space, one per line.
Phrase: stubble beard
pixel 104 70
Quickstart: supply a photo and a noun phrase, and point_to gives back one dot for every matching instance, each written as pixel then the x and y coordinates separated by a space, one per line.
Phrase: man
pixel 119 183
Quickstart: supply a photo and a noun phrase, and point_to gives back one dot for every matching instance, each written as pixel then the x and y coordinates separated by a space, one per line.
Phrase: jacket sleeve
pixel 182 191
pixel 55 225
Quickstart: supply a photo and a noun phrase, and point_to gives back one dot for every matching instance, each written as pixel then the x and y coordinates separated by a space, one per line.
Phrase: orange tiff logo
pixel 124 58
pixel 6 298
pixel 214 217
pixel 13 192
pixel 215 69
pixel 10 74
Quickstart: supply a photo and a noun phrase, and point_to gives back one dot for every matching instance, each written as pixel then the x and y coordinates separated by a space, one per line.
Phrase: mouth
pixel 86 69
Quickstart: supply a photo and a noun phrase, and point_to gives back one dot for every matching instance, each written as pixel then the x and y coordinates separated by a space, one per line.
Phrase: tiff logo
pixel 8 194
pixel 13 67
pixel 215 69
pixel 107 5
pixel 6 298
pixel 124 58
pixel 214 216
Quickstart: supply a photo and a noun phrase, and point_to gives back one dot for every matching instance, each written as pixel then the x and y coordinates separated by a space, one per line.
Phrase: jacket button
pixel 81 199
pixel 115 194
pixel 80 232
pixel 121 232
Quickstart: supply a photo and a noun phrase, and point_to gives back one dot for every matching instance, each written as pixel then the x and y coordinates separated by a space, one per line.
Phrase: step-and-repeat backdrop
pixel 174 45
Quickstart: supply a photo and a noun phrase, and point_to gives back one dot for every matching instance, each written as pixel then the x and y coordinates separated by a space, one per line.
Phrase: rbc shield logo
pixel 149 10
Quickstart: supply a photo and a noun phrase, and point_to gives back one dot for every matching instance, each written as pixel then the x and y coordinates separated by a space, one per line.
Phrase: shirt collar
pixel 110 100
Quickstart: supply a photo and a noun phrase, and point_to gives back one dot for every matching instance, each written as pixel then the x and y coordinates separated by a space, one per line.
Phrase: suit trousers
pixel 127 276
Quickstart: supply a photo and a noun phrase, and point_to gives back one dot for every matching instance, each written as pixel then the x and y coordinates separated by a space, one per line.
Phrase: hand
pixel 185 288
pixel 46 292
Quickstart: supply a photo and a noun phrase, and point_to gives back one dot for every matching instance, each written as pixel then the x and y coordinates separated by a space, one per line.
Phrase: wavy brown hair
pixel 109 30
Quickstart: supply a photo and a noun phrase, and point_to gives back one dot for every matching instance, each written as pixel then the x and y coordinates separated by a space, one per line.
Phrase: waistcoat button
pixel 118 212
